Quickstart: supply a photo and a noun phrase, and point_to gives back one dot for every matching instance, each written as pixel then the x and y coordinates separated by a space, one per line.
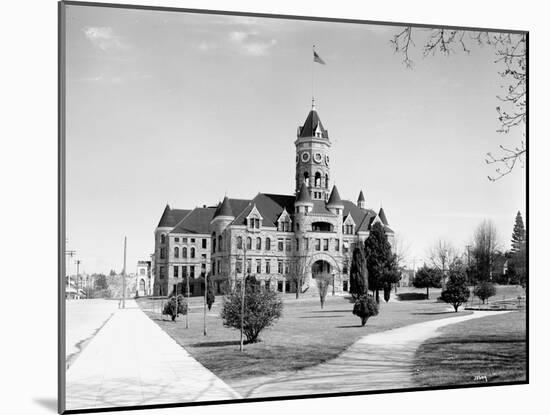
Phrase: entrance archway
pixel 320 267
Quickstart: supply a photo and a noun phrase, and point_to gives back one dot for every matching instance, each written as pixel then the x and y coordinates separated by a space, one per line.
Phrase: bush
pixel 170 307
pixel 365 307
pixel 485 290
pixel 387 292
pixel 261 309
pixel 456 292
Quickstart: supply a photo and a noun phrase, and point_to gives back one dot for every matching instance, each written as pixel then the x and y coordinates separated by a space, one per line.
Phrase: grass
pixel 303 337
pixel 488 349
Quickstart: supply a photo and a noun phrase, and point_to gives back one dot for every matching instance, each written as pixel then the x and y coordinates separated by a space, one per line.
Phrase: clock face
pixel 318 157
pixel 305 157
pixel 327 160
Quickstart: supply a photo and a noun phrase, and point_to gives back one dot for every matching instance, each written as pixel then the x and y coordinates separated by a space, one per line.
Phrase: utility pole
pixel 124 278
pixel 70 254
pixel 188 304
pixel 243 282
pixel 205 293
pixel 78 261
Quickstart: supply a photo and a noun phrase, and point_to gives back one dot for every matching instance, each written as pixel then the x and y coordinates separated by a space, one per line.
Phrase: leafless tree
pixel 298 269
pixel 400 248
pixel 510 54
pixel 444 256
pixel 485 249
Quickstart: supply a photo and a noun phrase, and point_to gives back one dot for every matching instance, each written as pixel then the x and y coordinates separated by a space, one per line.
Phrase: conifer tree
pixel 379 258
pixel 518 235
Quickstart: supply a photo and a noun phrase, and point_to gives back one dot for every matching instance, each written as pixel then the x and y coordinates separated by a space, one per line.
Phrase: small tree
pixel 210 296
pixel 390 275
pixel 175 306
pixel 359 275
pixel 427 277
pixel 365 307
pixel 262 308
pixel 378 254
pixel 456 291
pixel 323 282
pixel 485 290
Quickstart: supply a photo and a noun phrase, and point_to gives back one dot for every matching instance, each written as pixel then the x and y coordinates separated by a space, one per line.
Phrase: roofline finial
pixel 313 103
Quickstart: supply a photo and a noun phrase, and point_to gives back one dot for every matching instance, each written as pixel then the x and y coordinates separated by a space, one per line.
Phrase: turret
pixel 361 203
pixel 334 203
pixel 223 216
pixel 303 203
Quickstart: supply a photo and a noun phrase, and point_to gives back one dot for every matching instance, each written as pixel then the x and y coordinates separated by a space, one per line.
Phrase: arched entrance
pixel 320 267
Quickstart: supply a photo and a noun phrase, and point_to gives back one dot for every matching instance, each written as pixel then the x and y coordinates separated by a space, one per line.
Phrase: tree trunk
pixel 427 293
pixel 364 320
pixel 456 308
pixel 378 296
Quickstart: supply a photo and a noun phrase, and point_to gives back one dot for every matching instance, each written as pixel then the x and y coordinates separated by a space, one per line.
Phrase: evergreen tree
pixel 518 235
pixel 358 278
pixel 378 254
pixel 456 292
pixel 427 278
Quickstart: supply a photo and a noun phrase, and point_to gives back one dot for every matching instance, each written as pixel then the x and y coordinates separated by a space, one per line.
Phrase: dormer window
pixel 348 227
pixel 284 223
pixel 254 219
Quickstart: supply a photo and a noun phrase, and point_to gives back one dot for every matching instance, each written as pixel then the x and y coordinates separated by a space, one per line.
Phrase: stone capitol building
pixel 310 232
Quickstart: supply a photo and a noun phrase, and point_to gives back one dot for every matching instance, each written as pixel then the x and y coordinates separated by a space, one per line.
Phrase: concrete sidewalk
pixel 377 361
pixel 131 361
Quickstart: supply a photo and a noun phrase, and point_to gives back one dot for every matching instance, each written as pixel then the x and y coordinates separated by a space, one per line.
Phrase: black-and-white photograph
pixel 264 207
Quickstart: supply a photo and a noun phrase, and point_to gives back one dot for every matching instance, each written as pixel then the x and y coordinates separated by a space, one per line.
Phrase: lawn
pixel 419 294
pixel 303 337
pixel 484 350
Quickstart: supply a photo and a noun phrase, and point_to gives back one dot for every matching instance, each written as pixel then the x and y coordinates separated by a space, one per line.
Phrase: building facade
pixel 273 237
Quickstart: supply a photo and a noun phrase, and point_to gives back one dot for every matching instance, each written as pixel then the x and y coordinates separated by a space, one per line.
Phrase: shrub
pixel 261 309
pixel 365 307
pixel 170 307
pixel 387 292
pixel 210 296
pixel 456 292
pixel 485 290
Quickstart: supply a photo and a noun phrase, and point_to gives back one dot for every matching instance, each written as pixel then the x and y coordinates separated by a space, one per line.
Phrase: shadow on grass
pixel 433 313
pixel 412 297
pixel 332 311
pixel 320 317
pixel 219 344
pixel 350 327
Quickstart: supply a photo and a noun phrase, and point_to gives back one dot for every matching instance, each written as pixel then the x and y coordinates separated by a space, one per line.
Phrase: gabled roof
pixel 224 208
pixel 198 221
pixel 310 125
pixel 170 217
pixel 303 195
pixel 334 198
pixel 270 207
pixel 362 217
pixel 383 218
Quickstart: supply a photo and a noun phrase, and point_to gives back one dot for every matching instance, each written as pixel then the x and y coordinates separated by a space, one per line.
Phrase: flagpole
pixel 312 77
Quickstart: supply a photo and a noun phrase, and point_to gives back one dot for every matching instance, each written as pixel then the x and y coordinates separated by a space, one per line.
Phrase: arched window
pixel 162 238
pixel 258 243
pixel 192 252
pixel 239 242
pixel 248 243
pixel 306 178
pixel 268 244
pixel 214 242
pixel 176 252
pixel 326 181
pixel 184 252
pixel 219 242
pixel 317 179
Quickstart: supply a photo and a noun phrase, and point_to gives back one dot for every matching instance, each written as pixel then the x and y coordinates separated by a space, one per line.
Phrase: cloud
pixel 104 38
pixel 249 43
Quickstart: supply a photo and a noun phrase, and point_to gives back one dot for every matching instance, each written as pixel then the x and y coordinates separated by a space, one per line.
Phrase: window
pixel 142 271
pixel 176 239
pixel 162 272
pixel 280 245
pixel 306 244
pixel 337 244
pixel 268 244
pixel 184 272
pixel 176 252
pixel 345 269
pixel 325 244
pixel 192 271
pixel 176 271
pixel 280 267
pixel 184 252
pixel 348 229
pixel 239 267
pixel 214 243
pixel 204 243
pixel 345 284
pixel 239 242
pixel 220 248
pixel 259 266
pixel 317 179
pixel 286 267
pixel 219 266
pixel 268 267
pixel 266 284
pixel 192 252
pixel 258 243
pixel 192 240
pixel 297 244
pixel 288 248
pixel 248 266
pixel 317 244
pixel 248 243
pixel 306 178
pixel 326 181
pixel 162 253
pixel 162 238
pixel 280 286
pixel 184 240
pixel 346 247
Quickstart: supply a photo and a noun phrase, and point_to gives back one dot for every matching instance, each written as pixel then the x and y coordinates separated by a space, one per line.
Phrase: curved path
pixel 377 361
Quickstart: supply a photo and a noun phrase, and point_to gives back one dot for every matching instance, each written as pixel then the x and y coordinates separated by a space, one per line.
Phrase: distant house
pixel 407 277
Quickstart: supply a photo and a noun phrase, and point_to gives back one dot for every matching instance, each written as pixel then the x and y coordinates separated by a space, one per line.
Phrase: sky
pixel 184 108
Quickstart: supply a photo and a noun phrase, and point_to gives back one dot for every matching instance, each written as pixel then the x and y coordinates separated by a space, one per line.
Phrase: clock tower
pixel 312 157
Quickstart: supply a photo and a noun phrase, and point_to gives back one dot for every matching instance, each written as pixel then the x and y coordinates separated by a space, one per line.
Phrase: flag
pixel 317 58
